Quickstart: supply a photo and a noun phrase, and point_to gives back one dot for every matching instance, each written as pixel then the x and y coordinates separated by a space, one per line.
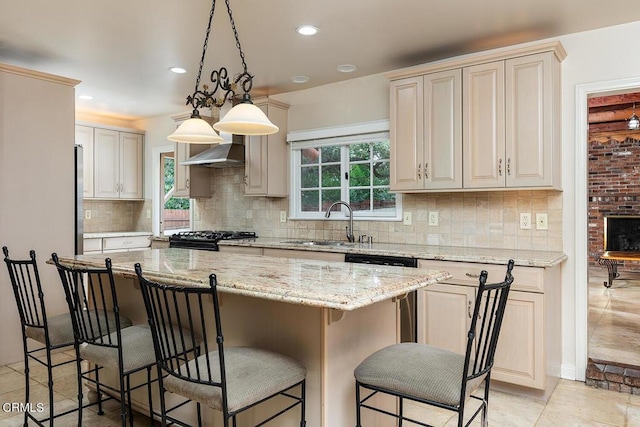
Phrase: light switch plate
pixel 87 214
pixel 283 216
pixel 433 219
pixel 406 218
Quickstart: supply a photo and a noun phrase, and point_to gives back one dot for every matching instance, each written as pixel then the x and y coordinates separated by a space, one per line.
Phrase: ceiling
pixel 122 50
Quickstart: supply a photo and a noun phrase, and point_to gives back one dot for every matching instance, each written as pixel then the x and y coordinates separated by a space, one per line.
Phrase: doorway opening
pixel 175 212
pixel 613 193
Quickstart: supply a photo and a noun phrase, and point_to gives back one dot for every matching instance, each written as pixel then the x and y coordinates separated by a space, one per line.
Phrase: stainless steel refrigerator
pixel 79 207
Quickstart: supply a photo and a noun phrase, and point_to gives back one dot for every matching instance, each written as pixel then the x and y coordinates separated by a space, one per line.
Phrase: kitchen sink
pixel 318 242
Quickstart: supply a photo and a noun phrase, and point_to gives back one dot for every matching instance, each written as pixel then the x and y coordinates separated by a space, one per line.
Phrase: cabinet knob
pixel 509 166
pixel 426 171
pixel 419 173
pixel 500 167
pixel 186 183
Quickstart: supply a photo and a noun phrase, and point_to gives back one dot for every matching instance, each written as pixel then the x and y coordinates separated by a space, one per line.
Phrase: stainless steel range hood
pixel 219 156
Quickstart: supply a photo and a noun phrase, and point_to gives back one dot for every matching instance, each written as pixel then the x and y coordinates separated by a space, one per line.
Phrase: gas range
pixel 206 240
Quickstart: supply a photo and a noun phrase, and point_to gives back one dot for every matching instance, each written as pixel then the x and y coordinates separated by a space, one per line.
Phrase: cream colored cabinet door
pixel 484 127
pixel 131 161
pixel 266 156
pixel 520 355
pixel 444 316
pixel 191 181
pixel 84 137
pixel 117 164
pixel 443 130
pixel 530 121
pixel 406 129
pixel 106 155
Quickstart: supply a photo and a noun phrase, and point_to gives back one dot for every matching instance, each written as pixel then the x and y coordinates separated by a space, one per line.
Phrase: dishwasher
pixel 408 312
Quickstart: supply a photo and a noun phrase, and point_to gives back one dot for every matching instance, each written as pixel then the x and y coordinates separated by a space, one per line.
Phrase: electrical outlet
pixel 433 218
pixel 87 214
pixel 525 221
pixel 283 216
pixel 148 213
pixel 406 218
pixel 542 221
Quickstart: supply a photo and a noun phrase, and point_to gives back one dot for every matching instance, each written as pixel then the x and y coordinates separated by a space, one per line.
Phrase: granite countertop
pixel 527 258
pixel 116 234
pixel 337 285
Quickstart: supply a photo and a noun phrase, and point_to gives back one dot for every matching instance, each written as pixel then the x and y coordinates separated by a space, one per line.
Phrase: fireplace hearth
pixel 621 243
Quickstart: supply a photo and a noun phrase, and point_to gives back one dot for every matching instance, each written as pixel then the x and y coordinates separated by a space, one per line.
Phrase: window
pixel 351 168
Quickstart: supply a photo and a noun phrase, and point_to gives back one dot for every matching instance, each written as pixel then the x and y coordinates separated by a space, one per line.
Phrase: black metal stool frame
pixel 92 295
pixel 27 289
pixel 161 302
pixel 490 304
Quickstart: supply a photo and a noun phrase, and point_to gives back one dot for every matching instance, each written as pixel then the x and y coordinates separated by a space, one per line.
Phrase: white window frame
pixel 342 135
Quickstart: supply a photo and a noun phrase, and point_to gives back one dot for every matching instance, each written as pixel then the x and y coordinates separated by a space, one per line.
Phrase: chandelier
pixel 243 119
pixel 634 121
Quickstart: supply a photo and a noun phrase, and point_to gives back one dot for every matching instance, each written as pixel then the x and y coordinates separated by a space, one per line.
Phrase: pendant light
pixel 243 119
pixel 634 121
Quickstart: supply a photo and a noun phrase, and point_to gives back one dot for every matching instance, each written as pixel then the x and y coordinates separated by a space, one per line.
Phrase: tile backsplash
pixel 470 219
pixel 117 215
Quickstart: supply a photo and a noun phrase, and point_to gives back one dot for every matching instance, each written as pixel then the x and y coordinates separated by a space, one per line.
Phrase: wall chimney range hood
pixel 219 156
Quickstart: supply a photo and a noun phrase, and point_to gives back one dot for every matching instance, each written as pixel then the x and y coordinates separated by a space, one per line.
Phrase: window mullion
pixel 344 169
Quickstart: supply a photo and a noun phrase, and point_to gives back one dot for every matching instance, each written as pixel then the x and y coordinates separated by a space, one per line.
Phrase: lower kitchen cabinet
pixel 529 346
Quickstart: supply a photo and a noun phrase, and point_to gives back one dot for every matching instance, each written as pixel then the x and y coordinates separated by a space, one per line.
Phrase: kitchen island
pixel 328 315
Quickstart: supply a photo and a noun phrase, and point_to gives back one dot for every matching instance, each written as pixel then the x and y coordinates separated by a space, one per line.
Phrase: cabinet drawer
pixel 528 279
pixel 92 245
pixel 111 243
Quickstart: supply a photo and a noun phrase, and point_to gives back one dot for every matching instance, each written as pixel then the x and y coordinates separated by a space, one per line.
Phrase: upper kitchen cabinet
pixel 481 122
pixel 117 164
pixel 511 128
pixel 266 156
pixel 426 153
pixel 190 181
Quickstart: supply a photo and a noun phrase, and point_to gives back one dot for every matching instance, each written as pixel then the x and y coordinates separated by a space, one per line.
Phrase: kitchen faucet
pixel 349 228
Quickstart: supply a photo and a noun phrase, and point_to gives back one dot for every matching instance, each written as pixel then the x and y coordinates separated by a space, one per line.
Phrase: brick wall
pixel 613 186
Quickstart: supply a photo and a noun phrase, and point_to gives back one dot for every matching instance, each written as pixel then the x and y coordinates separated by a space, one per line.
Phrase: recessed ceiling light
pixel 299 79
pixel 85 97
pixel 347 68
pixel 307 30
pixel 178 70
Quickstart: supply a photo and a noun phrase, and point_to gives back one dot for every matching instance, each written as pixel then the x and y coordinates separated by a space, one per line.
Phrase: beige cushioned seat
pixel 417 370
pixel 61 329
pixel 252 374
pixel 137 349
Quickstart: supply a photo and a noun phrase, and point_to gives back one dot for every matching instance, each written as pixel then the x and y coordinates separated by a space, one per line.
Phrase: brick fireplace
pixel 614 189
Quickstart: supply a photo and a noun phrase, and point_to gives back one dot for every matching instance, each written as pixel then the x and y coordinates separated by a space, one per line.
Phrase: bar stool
pixel 230 379
pixel 438 377
pixel 90 292
pixel 55 332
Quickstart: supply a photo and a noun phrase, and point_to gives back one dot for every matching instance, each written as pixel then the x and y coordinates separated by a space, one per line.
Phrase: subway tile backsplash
pixel 471 219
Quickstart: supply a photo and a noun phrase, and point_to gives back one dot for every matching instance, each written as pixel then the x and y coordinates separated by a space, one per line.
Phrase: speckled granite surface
pixel 342 286
pixel 442 253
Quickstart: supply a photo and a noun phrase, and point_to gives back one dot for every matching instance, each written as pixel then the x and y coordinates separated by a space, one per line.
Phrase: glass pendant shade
pixel 195 131
pixel 246 119
pixel 634 122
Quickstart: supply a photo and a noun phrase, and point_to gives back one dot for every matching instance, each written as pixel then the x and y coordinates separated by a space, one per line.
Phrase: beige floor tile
pixel 575 400
pixel 633 415
pixel 562 419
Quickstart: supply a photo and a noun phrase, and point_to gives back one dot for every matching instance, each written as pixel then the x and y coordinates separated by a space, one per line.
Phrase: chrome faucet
pixel 349 228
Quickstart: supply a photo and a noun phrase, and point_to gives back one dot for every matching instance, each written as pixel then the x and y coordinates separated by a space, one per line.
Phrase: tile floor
pixel 571 404
pixel 614 318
